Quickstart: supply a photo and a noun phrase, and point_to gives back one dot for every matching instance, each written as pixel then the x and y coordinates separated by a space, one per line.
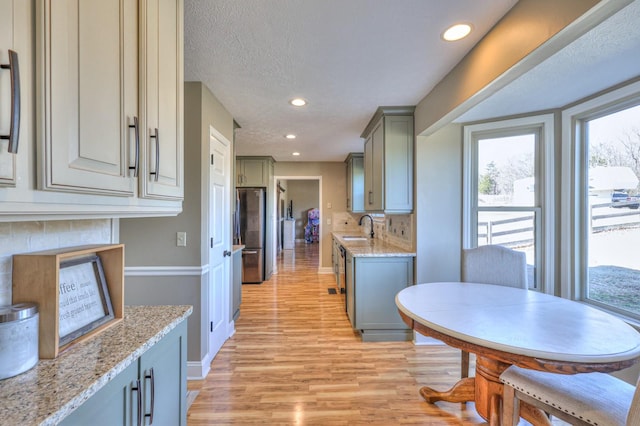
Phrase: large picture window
pixel 611 210
pixel 601 227
pixel 506 188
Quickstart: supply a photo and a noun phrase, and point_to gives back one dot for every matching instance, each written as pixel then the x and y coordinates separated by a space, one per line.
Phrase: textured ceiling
pixel 346 57
pixel 605 56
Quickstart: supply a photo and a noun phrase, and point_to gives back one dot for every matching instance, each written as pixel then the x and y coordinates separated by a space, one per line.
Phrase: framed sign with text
pixel 84 302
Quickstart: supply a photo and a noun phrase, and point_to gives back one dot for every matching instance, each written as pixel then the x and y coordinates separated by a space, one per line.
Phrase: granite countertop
pixel 52 389
pixel 237 247
pixel 370 247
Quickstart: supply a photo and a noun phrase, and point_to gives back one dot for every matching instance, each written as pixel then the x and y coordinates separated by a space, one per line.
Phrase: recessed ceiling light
pixel 456 32
pixel 290 136
pixel 295 154
pixel 298 102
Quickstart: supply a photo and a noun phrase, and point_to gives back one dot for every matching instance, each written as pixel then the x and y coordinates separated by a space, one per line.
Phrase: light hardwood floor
pixel 294 360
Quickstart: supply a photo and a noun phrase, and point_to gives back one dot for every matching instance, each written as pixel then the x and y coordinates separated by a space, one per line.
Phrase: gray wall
pixel 304 194
pixel 439 205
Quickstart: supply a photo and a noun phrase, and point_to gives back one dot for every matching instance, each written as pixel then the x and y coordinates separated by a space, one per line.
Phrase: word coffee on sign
pixel 81 300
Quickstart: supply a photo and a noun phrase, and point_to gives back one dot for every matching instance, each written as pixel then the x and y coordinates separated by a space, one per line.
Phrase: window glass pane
pixel 506 171
pixel 515 230
pixel 612 209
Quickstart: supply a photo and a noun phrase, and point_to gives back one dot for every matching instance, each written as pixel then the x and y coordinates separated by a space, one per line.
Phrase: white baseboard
pixel 325 270
pixel 198 370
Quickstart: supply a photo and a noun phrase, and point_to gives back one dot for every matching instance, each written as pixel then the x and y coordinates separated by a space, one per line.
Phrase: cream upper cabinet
pixel 88 62
pixel 388 161
pixel 14 48
pixel 87 89
pixel 161 98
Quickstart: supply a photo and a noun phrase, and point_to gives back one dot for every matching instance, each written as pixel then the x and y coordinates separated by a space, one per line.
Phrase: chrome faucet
pixel 370 218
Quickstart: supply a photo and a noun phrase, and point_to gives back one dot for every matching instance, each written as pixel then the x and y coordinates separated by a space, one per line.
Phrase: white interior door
pixel 220 240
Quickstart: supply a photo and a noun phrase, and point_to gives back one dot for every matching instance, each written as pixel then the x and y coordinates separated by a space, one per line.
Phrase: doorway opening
pixel 298 220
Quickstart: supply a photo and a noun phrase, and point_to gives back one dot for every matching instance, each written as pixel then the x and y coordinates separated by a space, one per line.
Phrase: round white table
pixel 507 326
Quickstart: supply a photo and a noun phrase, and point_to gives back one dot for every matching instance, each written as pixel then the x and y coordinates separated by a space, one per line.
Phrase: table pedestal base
pixel 486 391
pixel 463 391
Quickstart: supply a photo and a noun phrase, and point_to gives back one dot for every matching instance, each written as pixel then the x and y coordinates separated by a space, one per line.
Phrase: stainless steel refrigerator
pixel 252 230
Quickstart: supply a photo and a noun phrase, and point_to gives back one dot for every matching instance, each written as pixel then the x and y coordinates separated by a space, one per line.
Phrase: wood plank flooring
pixel 294 360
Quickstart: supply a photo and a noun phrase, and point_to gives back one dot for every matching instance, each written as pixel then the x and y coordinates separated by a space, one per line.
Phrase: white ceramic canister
pixel 18 338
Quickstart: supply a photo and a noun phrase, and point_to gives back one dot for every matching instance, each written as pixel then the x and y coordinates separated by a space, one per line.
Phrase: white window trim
pixel 572 229
pixel 546 192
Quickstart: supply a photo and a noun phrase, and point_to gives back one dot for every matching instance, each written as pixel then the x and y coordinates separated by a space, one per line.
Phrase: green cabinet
pixel 115 404
pixel 388 161
pixel 236 291
pixel 151 390
pixel 355 182
pixel 372 285
pixel 163 376
pixel 253 171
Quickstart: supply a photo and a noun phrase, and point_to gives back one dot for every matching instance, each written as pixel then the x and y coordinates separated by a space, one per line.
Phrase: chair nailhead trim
pixel 525 391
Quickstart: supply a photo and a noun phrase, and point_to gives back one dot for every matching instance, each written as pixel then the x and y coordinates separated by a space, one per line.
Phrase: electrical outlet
pixel 181 239
pixel 329 221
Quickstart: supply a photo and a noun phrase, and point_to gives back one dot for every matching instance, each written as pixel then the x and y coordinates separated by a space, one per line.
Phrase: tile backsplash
pixel 24 237
pixel 396 229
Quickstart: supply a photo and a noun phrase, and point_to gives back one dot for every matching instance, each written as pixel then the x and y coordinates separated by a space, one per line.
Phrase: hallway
pixel 294 360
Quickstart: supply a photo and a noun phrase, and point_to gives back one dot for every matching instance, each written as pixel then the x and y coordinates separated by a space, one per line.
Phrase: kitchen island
pixel 374 272
pixel 57 388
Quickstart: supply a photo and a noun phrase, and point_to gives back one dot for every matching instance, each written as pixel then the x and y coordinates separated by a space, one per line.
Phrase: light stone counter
pixel 54 388
pixel 370 247
pixel 237 247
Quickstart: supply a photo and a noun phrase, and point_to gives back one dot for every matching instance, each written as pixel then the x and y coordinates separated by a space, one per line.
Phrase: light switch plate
pixel 181 239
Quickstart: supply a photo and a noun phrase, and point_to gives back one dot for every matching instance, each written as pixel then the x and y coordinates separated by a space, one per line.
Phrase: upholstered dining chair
pixel 580 399
pixel 492 264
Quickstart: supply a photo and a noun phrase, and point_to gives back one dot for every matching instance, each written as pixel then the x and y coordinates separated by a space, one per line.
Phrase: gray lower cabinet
pixel 372 285
pixel 236 291
pixel 156 383
pixel 115 404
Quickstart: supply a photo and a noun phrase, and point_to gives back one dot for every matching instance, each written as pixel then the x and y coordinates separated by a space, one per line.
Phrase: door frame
pixel 275 215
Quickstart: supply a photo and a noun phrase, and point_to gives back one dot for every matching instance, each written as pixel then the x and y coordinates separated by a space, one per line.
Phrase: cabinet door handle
pixel 14 127
pixel 136 128
pixel 348 202
pixel 156 174
pixel 249 252
pixel 152 379
pixel 226 253
pixel 138 389
pixel 370 197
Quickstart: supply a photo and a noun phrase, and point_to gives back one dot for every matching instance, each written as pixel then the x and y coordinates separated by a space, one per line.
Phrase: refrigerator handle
pixel 249 252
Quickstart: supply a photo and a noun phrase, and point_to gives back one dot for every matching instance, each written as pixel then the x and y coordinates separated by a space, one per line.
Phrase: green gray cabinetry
pixel 159 377
pixel 253 171
pixel 372 285
pixel 355 182
pixel 236 293
pixel 388 161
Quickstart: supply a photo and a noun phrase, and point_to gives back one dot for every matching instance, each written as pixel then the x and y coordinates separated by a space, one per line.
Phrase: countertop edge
pixel 136 320
pixel 100 382
pixel 372 247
